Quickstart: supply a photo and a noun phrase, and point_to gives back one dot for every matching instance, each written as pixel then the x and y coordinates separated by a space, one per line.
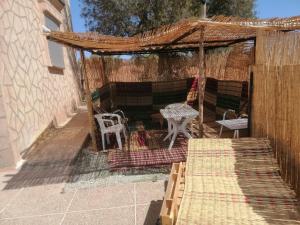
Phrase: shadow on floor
pixel 262 186
pixel 50 159
pixel 152 217
pixel 58 157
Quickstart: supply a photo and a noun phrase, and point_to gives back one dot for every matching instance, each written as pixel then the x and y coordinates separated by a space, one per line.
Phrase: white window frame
pixel 56 60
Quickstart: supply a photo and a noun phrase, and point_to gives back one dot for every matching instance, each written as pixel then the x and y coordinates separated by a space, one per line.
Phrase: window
pixel 55 49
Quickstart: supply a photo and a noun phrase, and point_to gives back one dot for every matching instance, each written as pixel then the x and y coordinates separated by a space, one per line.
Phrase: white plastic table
pixel 234 124
pixel 178 117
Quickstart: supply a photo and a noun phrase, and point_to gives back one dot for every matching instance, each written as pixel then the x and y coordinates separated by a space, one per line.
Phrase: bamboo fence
pixel 230 63
pixel 275 103
pixel 225 63
pixel 95 72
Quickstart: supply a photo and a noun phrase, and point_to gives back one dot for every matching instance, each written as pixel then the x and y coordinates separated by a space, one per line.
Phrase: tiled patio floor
pixel 121 204
pixel 54 188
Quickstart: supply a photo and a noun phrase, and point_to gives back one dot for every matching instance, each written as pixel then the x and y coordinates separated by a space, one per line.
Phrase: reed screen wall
pixel 222 63
pixel 276 96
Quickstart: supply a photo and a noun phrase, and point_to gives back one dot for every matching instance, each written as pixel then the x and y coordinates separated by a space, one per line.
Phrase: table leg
pixel 170 128
pixel 169 135
pixel 235 134
pixel 183 127
pixel 221 130
pixel 187 134
pixel 173 138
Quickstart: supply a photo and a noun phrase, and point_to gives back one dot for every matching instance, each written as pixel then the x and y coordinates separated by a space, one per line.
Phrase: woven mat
pixel 155 154
pixel 235 181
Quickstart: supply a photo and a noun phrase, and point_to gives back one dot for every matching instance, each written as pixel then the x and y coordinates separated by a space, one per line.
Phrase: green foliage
pixel 128 17
pixel 240 8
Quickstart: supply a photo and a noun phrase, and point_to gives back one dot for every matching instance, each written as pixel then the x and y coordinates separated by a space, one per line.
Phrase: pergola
pixel 189 34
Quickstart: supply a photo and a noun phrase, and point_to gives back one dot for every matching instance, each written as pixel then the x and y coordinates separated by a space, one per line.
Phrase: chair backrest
pixel 174 105
pixel 101 122
pixel 103 117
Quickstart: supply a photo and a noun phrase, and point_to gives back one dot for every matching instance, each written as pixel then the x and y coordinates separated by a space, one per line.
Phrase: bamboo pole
pixel 89 103
pixel 203 9
pixel 201 81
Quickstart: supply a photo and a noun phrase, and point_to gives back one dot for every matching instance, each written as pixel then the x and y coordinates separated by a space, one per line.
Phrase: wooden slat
pixel 173 195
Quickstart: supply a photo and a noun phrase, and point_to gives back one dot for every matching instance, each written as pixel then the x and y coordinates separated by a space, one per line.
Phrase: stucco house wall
pixel 31 95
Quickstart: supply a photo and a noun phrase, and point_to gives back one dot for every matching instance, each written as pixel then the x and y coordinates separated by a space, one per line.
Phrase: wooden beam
pixel 201 81
pixel 89 103
pixel 250 91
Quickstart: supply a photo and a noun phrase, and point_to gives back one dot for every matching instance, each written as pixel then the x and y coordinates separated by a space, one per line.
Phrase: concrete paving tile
pixel 115 216
pixel 5 197
pixel 148 214
pixel 148 191
pixel 37 220
pixel 38 200
pixel 98 198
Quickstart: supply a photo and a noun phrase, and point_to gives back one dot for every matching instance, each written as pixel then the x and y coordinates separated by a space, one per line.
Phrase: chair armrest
pixel 121 112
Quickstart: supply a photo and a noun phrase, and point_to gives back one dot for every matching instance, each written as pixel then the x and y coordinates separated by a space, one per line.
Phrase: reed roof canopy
pixel 183 35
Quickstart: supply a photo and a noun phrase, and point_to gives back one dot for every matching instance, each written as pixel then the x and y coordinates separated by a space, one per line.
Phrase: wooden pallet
pixel 173 196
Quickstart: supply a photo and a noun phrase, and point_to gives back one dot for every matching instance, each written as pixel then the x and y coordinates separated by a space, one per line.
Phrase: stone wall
pixel 31 95
pixel 6 153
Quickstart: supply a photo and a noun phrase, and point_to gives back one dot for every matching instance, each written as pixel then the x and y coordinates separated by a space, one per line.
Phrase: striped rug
pixel 154 154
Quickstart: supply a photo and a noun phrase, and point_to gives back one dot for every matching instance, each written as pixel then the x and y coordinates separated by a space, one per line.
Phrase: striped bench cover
pixel 222 95
pixel 141 99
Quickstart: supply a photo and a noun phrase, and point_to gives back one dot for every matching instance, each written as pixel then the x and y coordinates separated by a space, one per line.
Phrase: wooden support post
pixel 201 80
pixel 203 13
pixel 89 103
pixel 82 78
pixel 250 89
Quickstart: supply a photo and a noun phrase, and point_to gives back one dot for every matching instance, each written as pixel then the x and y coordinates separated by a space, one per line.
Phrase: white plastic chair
pixel 109 125
pixel 236 133
pixel 224 118
pixel 124 119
